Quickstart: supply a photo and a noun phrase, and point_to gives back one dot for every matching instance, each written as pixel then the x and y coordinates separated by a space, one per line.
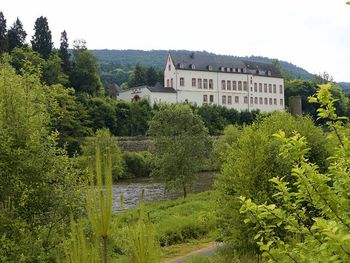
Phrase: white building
pixel 211 79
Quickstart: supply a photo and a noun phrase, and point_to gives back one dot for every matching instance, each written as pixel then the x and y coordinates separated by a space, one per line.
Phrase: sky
pixel 312 34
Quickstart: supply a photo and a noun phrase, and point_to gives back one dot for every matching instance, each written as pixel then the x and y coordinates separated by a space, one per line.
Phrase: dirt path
pixel 206 251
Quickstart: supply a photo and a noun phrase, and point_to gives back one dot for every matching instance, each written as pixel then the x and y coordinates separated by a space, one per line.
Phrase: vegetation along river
pixel 153 190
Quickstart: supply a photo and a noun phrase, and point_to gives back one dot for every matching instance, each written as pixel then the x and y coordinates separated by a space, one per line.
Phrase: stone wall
pixel 135 143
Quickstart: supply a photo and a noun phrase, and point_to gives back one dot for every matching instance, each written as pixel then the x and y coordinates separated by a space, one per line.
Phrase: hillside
pixel 116 65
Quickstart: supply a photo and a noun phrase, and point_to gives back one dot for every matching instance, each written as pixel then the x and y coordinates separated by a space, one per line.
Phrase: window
pixel 199 83
pixel 260 87
pixel 265 101
pixel 229 100
pixel 270 88
pixel 193 82
pixel 245 99
pixel 223 84
pixel 228 69
pixel 205 98
pixel 211 98
pixel 234 85
pixel 265 87
pixel 229 85
pixel 255 87
pixel 274 88
pixel 239 85
pixel 281 102
pixel 167 83
pixel 261 100
pixel 236 99
pixel 251 100
pixel 274 101
pixel 193 66
pixel 205 83
pixel 182 82
pixel 172 82
pixel 210 67
pixel 211 86
pixel 270 101
pixel 224 99
pixel 245 86
pixel 169 67
pixel 256 100
pixel 281 89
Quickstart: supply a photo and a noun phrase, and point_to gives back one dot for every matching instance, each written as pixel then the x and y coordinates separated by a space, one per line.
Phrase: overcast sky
pixel 313 34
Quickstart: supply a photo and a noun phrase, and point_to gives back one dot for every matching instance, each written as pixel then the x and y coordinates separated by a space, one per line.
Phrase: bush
pixel 137 164
pixel 308 220
pixel 251 160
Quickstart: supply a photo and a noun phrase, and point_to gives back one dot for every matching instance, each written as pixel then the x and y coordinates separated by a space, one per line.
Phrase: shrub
pixel 308 221
pixel 251 160
pixel 137 164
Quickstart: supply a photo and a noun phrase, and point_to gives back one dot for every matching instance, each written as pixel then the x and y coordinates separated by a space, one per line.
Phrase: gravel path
pixel 206 251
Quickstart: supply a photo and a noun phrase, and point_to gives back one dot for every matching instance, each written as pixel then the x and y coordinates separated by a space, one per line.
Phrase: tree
pixel 68 117
pixel 138 77
pixel 152 76
pixel 309 218
pixel 108 145
pixel 3 34
pixel 39 183
pixel 42 39
pixel 52 71
pixel 16 35
pixel 181 144
pixel 84 76
pixel 64 54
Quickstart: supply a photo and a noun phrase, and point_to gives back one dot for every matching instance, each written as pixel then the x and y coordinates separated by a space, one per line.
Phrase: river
pixel 153 190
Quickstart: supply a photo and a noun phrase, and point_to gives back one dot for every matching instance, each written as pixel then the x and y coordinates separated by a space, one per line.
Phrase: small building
pixel 212 79
pixel 156 94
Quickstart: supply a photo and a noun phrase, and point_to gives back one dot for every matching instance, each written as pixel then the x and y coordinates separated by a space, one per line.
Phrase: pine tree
pixel 16 35
pixel 3 34
pixel 63 53
pixel 42 39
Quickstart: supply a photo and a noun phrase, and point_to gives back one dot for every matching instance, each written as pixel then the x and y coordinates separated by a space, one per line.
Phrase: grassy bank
pixel 191 220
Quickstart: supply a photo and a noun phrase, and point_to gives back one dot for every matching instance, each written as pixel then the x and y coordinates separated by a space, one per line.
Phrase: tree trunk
pixel 184 188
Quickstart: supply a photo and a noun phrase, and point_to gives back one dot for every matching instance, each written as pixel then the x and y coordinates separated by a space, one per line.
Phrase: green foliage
pixel 107 144
pixel 101 111
pixel 39 183
pixel 68 117
pixel 181 144
pixel 251 160
pixel 309 218
pixel 99 201
pixel 84 77
pixel 42 39
pixel 52 71
pixel 137 164
pixel 177 221
pixel 64 54
pixel 16 35
pixel 142 241
pixel 3 34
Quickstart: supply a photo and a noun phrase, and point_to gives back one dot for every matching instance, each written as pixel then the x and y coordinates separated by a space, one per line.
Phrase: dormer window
pixel 181 65
pixel 222 68
pixel 238 70
pixel 210 67
pixel 244 70
pixel 268 73
pixel 192 66
pixel 228 69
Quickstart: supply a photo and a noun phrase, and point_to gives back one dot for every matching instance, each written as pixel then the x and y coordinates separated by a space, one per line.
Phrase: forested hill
pixel 157 58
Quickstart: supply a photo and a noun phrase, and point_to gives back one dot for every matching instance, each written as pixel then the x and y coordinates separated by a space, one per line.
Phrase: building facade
pixel 210 79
